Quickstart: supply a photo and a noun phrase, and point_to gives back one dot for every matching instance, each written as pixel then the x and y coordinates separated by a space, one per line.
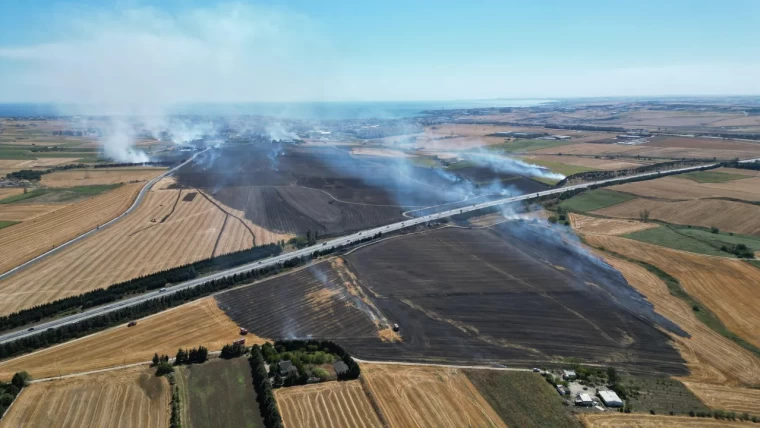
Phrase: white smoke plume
pixel 142 65
pixel 508 164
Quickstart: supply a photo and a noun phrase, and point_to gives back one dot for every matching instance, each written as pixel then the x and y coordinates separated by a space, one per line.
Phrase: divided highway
pixel 337 242
pixel 129 210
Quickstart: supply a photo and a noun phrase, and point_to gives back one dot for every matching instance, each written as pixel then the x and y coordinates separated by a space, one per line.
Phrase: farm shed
pixel 610 399
pixel 583 400
pixel 287 367
pixel 569 374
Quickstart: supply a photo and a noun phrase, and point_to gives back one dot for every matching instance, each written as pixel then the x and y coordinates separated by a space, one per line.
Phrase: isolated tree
pixel 156 360
pixel 181 357
pixel 20 379
pixel 644 216
pixel 308 236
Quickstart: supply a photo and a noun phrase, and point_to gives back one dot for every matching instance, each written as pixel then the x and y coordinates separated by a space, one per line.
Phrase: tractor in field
pixel 243 331
pixel 132 324
pixel 240 341
pixel 396 328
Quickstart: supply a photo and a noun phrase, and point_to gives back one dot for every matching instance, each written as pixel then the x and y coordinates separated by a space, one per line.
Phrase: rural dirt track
pixel 679 189
pixel 730 288
pixel 632 420
pixel 414 396
pixel 27 240
pixel 603 226
pixel 729 216
pixel 187 326
pixel 124 398
pixel 89 177
pixel 134 247
pixel 326 405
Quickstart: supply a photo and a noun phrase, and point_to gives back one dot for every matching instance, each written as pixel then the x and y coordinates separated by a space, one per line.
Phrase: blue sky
pixel 184 50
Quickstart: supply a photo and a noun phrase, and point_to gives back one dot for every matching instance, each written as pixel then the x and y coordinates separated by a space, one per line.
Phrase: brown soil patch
pixel 729 398
pixel 30 239
pixel 132 397
pixel 89 177
pixel 328 404
pixel 162 233
pixel 22 212
pixel 747 189
pixel 604 226
pixel 632 420
pixel 197 323
pixel 737 217
pixel 423 396
pixel 730 288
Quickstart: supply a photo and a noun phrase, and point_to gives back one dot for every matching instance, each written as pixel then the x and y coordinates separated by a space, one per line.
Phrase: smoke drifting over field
pixel 511 165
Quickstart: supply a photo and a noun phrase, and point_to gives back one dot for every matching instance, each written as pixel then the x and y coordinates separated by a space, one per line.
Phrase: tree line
pixel 264 393
pixel 87 326
pixel 329 346
pixel 603 175
pixel 139 285
pixel 10 390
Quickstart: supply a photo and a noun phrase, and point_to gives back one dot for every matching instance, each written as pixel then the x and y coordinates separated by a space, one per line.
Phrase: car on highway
pixel 162 290
pixel 31 329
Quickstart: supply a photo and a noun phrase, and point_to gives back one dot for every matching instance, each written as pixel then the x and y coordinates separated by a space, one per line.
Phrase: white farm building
pixel 610 399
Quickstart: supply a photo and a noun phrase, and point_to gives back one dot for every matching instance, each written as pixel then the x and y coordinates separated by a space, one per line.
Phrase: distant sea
pixel 304 110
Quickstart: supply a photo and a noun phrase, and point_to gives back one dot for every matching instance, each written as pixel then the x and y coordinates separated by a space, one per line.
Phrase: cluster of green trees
pixel 174 420
pixel 233 350
pixel 10 390
pixel 607 174
pixel 140 285
pixel 197 355
pixel 326 346
pixel 162 365
pixel 755 166
pixel 264 393
pixel 739 250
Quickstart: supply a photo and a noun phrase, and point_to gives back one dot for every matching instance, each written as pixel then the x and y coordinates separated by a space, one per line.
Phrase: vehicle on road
pixel 162 290
pixel 31 329
pixel 132 324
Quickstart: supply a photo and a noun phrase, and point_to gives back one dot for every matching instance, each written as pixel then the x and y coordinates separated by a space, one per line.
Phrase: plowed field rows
pixel 30 239
pixel 604 226
pixel 187 326
pixel 514 293
pixel 326 405
pixel 419 396
pixel 675 188
pixel 730 216
pixel 730 288
pixel 89 177
pixel 622 420
pixel 309 302
pixel 124 398
pixel 10 191
pixel 729 398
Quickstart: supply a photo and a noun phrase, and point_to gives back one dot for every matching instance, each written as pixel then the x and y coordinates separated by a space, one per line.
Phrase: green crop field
pixel 59 194
pixel 4 224
pixel 661 394
pixel 694 240
pixel 595 199
pixel 522 399
pixel 722 238
pixel 218 393
pixel 711 176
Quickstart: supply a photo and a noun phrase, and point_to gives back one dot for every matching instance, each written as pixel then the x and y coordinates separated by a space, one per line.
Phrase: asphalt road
pixel 302 252
pixel 85 235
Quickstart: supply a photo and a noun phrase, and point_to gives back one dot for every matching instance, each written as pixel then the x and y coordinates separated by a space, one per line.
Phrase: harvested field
pixel 522 399
pixel 164 232
pixel 326 405
pixel 711 176
pixel 705 143
pixel 587 149
pixel 24 212
pixel 218 393
pixel 730 216
pixel 313 301
pixel 731 398
pixel 124 398
pixel 633 420
pixel 604 226
pixel 30 239
pixel 187 326
pixel 588 162
pixel 747 189
pixel 730 288
pixel 89 177
pixel 423 396
pixel 10 191
pixel 710 357
pixel 518 294
pixel 371 151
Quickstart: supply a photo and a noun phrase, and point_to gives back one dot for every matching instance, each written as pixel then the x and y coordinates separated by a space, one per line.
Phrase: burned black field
pixel 291 189
pixel 510 294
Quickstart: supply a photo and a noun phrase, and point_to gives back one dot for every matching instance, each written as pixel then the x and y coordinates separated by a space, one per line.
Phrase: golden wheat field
pixel 426 396
pixel 99 176
pixel 133 397
pixel 604 226
pixel 326 405
pixel 170 228
pixel 197 323
pixel 634 420
pixel 29 239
